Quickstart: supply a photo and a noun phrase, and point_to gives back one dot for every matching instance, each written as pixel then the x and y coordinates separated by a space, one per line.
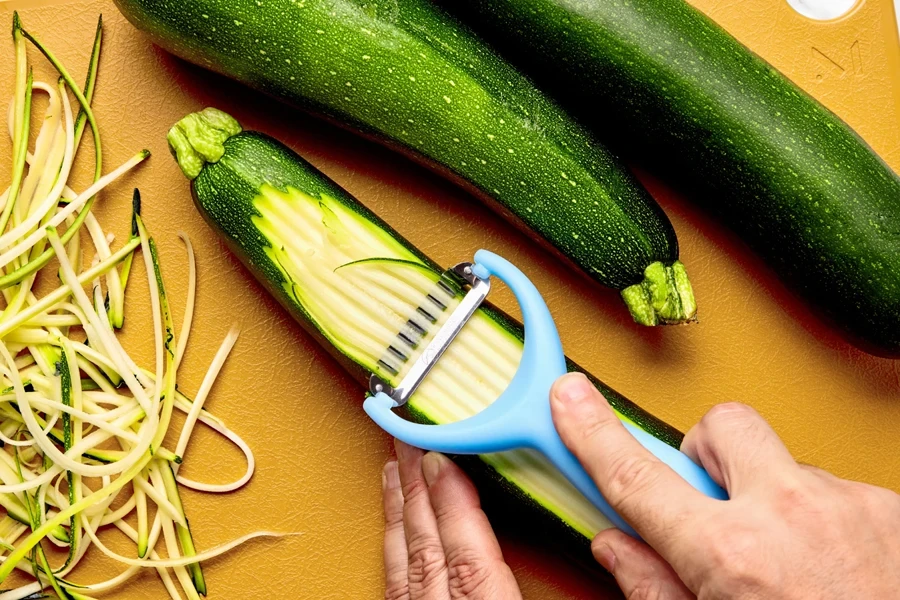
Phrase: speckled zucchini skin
pixel 406 74
pixel 225 192
pixel 787 174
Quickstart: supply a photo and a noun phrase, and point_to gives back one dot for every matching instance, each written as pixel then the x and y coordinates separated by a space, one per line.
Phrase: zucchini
pixel 409 76
pixel 796 182
pixel 355 284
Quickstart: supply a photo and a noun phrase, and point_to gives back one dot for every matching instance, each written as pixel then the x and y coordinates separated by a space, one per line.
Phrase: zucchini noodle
pixel 82 426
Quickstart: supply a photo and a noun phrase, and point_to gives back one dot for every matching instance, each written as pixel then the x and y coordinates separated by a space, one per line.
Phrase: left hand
pixel 438 543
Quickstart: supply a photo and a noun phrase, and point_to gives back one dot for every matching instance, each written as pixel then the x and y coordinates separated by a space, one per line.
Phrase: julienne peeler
pixel 520 417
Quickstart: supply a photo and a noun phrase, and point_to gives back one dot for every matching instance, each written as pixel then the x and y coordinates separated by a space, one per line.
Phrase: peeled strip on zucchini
pixel 354 283
pixel 338 297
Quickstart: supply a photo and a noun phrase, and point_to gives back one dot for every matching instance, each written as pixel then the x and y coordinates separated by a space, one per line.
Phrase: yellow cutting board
pixel 319 459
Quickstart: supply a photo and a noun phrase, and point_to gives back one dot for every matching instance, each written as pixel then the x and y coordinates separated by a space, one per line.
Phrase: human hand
pixel 789 531
pixel 438 543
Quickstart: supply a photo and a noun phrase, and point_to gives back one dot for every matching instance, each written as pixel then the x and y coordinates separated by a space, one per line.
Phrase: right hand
pixel 789 531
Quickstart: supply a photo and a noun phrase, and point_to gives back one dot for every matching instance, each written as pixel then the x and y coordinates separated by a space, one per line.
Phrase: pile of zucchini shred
pixel 82 426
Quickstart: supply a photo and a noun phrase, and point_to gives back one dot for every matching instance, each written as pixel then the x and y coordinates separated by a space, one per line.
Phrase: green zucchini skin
pixel 408 75
pixel 224 192
pixel 791 178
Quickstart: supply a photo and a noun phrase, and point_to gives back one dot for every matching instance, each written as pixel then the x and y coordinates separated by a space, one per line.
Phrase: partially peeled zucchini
pixel 357 285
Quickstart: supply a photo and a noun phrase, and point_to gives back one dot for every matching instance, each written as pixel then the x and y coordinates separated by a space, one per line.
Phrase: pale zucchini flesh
pixel 361 307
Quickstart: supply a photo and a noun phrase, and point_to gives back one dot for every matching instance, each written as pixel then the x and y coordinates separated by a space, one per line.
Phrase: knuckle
pixel 792 497
pixel 393 515
pixel 467 574
pixel 393 527
pixel 396 590
pixel 649 588
pixel 593 426
pixel 426 562
pixel 414 490
pixel 628 477
pixel 449 514
pixel 727 412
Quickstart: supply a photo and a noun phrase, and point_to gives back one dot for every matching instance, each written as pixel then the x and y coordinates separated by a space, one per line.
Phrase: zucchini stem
pixel 665 296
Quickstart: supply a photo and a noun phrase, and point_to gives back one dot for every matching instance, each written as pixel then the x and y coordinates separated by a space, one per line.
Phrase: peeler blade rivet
pixel 467 270
pixel 379 388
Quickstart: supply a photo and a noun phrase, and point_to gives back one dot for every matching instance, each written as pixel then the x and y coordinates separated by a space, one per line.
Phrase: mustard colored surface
pixel 319 459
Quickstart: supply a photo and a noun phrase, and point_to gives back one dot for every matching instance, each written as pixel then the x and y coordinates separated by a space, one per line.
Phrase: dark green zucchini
pixel 355 285
pixel 406 74
pixel 788 175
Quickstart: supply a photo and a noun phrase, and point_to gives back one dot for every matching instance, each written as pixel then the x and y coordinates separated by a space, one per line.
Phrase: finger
pixel 475 564
pixel 638 569
pixel 654 499
pixel 737 447
pixel 395 555
pixel 426 565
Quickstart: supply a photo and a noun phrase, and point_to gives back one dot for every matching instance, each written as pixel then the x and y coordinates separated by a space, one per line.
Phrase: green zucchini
pixel 355 285
pixel 409 76
pixel 783 171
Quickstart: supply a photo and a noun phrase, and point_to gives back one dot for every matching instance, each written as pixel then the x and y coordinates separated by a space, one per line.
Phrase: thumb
pixel 641 573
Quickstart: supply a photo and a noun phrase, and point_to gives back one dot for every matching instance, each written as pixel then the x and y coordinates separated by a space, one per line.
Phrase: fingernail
pixel 390 476
pixel 573 389
pixel 605 556
pixel 432 464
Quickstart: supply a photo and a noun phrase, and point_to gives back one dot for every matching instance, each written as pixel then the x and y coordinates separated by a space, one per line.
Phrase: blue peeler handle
pixel 521 417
